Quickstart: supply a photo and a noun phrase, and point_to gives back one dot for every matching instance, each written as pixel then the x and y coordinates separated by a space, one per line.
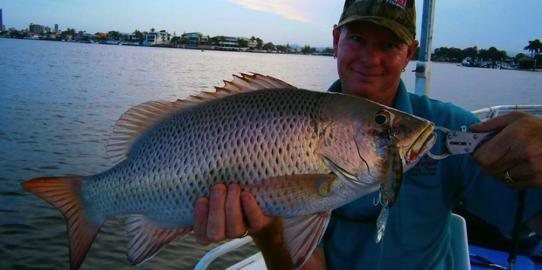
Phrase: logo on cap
pixel 399 3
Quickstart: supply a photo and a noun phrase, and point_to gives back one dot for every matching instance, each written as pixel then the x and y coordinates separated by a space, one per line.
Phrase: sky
pixel 505 24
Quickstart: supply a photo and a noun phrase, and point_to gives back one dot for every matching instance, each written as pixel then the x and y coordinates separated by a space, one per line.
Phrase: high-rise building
pixel 1 21
pixel 36 28
pixel 56 28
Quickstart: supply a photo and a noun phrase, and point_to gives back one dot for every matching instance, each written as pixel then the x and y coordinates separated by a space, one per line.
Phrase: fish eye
pixel 382 118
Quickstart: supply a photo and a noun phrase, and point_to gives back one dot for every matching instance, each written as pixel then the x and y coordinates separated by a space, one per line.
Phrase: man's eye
pixel 354 38
pixel 390 45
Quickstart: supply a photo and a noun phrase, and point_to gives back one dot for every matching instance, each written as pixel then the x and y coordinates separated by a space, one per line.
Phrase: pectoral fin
pixel 338 170
pixel 302 235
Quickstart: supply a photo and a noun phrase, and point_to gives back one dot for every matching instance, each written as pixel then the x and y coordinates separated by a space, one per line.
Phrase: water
pixel 59 102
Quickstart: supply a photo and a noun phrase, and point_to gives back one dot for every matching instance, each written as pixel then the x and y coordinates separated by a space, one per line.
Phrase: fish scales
pixel 256 136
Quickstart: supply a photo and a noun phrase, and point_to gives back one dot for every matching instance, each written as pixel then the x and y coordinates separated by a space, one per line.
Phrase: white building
pixel 157 38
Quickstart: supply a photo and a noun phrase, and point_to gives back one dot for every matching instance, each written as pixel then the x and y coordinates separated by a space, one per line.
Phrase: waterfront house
pixel 157 38
pixel 226 43
pixel 194 40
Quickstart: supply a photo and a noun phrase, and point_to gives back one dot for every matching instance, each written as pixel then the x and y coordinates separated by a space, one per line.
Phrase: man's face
pixel 370 59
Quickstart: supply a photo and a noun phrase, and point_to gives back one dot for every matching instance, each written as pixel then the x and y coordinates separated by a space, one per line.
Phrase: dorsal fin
pixel 138 119
pixel 251 82
pixel 243 83
pixel 135 122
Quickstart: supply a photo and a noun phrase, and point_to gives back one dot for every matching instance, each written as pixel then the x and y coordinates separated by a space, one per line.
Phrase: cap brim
pixel 399 30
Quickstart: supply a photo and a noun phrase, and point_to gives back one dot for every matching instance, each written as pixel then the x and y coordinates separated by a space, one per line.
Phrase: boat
pixel 466 256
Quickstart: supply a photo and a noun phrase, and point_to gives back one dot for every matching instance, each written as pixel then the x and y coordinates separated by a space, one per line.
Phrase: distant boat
pixel 112 42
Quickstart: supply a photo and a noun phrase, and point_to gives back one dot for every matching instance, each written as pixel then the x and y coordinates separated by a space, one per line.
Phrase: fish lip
pixel 423 143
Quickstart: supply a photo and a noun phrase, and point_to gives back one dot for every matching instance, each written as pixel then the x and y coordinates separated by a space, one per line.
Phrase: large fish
pixel 301 153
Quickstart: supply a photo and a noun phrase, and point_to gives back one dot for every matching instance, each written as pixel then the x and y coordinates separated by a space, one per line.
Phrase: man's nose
pixel 370 56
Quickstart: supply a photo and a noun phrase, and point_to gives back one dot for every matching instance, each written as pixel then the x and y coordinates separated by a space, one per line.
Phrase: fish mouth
pixel 420 147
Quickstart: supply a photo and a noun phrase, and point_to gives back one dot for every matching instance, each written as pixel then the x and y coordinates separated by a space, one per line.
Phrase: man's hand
pixel 515 153
pixel 230 213
pixel 227 213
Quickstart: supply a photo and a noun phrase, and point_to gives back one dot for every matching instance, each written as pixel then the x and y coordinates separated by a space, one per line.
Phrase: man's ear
pixel 336 37
pixel 411 50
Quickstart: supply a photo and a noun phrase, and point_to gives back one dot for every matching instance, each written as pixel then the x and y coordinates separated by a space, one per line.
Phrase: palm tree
pixel 138 35
pixel 534 47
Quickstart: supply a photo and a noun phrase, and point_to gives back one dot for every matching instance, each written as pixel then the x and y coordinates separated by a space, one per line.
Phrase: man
pixel 374 41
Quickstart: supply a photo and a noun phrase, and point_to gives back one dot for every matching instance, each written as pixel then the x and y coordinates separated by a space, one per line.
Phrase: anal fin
pixel 302 235
pixel 147 237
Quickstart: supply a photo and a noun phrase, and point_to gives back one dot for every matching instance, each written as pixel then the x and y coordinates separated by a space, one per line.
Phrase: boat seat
pixel 459 242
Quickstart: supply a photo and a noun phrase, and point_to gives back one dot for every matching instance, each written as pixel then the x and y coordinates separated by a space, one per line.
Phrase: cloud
pixel 290 9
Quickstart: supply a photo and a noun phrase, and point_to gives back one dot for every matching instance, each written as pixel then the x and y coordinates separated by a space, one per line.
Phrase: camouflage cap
pixel 399 16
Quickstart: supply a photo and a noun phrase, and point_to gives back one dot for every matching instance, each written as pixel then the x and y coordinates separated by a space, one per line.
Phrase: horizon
pixel 296 22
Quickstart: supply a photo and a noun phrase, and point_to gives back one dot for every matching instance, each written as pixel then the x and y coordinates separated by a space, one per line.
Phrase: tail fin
pixel 64 194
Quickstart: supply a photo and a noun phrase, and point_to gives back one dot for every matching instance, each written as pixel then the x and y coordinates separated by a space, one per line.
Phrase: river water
pixel 59 102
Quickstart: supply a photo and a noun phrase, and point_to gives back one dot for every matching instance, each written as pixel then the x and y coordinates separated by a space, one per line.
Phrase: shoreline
pixel 241 50
pixel 202 48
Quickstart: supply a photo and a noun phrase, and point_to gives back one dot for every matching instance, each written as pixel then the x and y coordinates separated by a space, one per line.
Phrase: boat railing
pixel 225 248
pixel 491 112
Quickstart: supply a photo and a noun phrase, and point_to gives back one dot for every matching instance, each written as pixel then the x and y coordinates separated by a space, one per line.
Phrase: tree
pixel 138 35
pixel 471 52
pixel 448 54
pixel 484 54
pixel 534 47
pixel 282 48
pixel 69 31
pixel 100 36
pixel 495 54
pixel 68 34
pixel 520 56
pixel 308 50
pixel 269 46
pixel 243 43
pixel 328 51
pixel 113 35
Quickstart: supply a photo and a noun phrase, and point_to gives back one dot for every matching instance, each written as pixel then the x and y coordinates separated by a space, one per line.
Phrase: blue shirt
pixel 417 234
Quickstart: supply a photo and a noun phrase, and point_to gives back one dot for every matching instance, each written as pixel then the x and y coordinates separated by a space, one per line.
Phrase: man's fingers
pixel 524 176
pixel 235 226
pixel 216 230
pixel 492 151
pixel 227 213
pixel 253 213
pixel 201 211
pixel 498 122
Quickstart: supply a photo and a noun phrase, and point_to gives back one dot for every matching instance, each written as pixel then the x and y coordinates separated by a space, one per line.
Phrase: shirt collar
pixel 401 102
pixel 402 99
